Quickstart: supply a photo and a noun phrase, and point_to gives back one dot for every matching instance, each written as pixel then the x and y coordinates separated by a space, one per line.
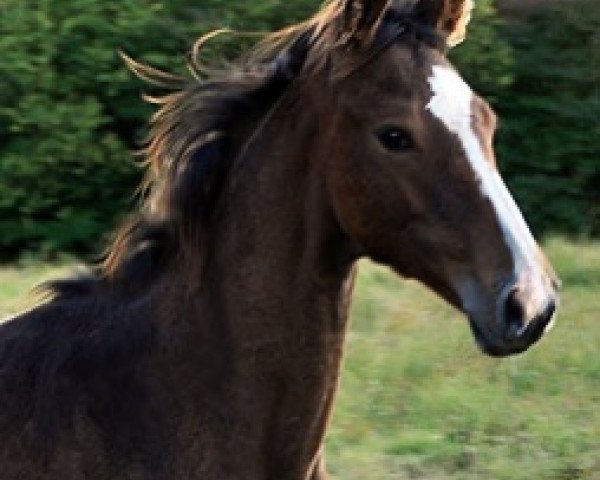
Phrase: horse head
pixel 412 175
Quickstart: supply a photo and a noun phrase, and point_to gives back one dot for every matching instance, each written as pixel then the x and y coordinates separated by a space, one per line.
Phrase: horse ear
pixel 361 19
pixel 449 17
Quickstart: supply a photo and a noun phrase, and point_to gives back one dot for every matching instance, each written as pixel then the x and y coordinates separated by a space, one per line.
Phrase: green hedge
pixel 71 115
pixel 550 141
pixel 541 70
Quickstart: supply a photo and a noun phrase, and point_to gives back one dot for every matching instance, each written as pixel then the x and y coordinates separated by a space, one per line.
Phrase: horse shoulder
pixel 74 392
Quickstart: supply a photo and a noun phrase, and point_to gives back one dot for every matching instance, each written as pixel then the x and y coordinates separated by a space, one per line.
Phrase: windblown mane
pixel 195 136
pixel 204 122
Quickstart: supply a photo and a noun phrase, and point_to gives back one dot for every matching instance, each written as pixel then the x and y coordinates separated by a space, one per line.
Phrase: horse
pixel 208 343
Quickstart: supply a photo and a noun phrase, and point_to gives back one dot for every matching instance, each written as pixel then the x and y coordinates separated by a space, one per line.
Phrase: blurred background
pixel 417 399
pixel 70 113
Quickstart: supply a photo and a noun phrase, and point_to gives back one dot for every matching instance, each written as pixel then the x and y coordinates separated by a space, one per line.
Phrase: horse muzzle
pixel 525 311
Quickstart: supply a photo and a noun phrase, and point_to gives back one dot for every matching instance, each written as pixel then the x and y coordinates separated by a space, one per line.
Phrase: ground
pixel 418 400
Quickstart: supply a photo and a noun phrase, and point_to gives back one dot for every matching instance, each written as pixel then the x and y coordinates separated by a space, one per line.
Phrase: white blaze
pixel 451 103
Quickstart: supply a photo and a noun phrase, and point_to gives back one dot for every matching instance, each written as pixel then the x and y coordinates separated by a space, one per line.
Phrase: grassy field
pixel 418 400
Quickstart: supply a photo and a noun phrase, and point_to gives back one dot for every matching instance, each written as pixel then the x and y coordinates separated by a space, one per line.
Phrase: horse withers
pixel 208 344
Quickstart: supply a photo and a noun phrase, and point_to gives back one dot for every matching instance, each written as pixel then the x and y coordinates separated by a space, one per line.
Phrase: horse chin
pixel 495 348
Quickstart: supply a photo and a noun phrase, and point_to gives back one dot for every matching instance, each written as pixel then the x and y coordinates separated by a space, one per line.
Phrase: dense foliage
pixel 71 115
pixel 550 140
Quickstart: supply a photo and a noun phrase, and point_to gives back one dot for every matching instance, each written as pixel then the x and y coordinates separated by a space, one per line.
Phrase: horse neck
pixel 270 318
pixel 261 340
pixel 278 248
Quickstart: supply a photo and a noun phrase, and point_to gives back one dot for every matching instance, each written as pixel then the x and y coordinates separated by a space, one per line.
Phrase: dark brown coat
pixel 208 346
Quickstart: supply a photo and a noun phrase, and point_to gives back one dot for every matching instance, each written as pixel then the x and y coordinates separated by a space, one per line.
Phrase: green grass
pixel 17 283
pixel 418 400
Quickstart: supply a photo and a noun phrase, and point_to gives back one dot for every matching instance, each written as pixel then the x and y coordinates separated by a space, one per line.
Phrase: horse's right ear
pixel 361 19
pixel 449 17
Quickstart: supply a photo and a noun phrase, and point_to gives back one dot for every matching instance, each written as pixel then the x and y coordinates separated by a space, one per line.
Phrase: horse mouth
pixel 495 348
pixel 516 338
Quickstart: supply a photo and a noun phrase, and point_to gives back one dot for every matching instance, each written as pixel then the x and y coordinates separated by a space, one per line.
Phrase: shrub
pixel 71 114
pixel 550 136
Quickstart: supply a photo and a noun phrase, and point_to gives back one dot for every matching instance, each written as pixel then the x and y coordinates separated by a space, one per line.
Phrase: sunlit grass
pixel 18 281
pixel 418 400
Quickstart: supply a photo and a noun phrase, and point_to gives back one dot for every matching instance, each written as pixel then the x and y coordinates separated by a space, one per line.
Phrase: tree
pixel 552 117
pixel 71 114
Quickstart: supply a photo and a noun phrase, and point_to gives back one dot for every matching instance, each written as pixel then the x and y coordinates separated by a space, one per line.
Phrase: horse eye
pixel 395 139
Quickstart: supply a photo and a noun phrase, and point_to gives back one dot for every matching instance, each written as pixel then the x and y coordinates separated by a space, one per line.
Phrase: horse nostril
pixel 514 315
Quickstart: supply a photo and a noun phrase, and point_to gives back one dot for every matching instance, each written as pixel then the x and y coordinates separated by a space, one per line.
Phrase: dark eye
pixel 395 139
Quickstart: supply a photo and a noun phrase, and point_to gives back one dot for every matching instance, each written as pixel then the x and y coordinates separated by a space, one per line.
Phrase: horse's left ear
pixel 361 19
pixel 449 17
